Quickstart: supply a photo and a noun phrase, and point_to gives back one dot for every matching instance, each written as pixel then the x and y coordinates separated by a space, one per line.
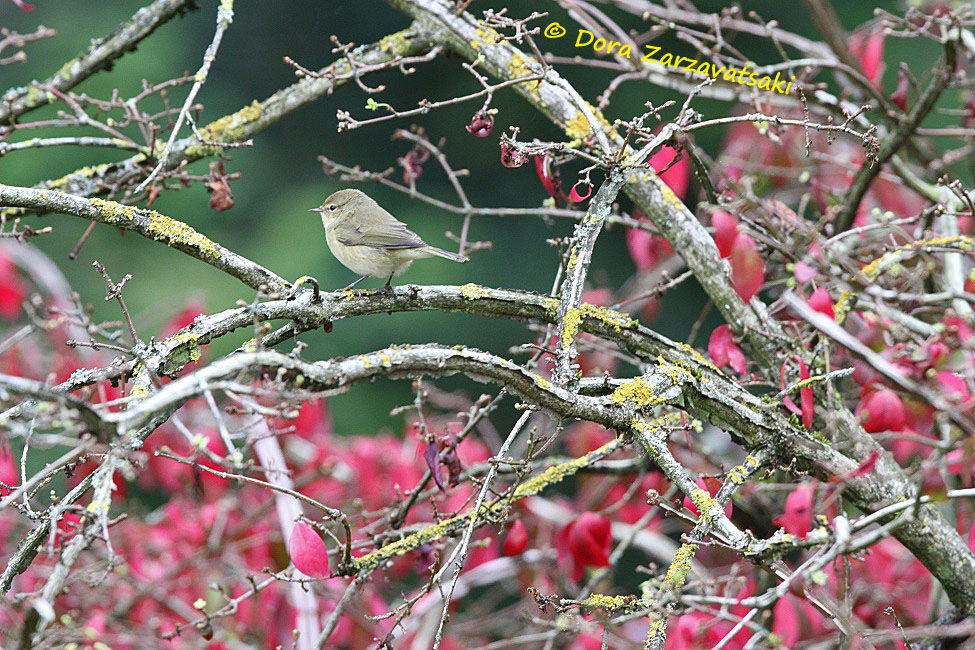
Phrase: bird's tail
pixel 439 252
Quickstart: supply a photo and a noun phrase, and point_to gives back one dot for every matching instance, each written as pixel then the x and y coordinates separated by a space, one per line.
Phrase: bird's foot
pixel 296 289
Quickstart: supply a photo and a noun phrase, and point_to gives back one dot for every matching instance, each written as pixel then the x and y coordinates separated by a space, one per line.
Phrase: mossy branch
pixel 100 55
pixel 147 223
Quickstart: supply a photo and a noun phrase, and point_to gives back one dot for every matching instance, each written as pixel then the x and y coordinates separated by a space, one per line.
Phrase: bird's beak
pixel 317 210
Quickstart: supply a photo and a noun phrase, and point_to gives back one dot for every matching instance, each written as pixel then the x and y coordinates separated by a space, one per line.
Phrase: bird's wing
pixel 393 234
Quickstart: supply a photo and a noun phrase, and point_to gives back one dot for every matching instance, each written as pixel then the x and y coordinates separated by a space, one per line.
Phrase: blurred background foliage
pixel 282 178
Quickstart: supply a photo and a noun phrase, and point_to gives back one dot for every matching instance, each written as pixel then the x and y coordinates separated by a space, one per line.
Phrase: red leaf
pixel 867 45
pixel 805 397
pixel 8 470
pixel 821 302
pixel 899 96
pixel 882 410
pixel 747 267
pixel 724 350
pixel 510 157
pixel 431 455
pixel 712 485
pixel 679 174
pixel 517 540
pixel 797 518
pixel 585 542
pixel 867 465
pixel 549 178
pixel 725 231
pixel 308 551
pixel 575 196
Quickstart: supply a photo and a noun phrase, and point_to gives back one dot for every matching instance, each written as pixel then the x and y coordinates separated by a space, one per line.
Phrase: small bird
pixel 371 241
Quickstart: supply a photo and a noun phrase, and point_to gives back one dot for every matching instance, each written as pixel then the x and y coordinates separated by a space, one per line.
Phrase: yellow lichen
pixel 177 233
pixel 138 390
pixel 160 227
pixel 873 269
pixel 669 196
pixel 572 258
pixel 518 66
pixel 843 306
pixel 702 500
pixel 528 488
pixel 485 36
pixel 84 172
pixel 738 474
pixel 230 128
pixel 616 320
pixel 557 473
pixel 542 383
pixel 602 601
pixel 680 566
pixel 365 361
pixel 638 391
pixel 578 127
pixel 658 627
pixel 472 291
pixel 397 43
pixel 570 327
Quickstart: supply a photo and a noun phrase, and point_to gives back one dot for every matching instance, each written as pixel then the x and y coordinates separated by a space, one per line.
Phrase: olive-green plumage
pixel 369 240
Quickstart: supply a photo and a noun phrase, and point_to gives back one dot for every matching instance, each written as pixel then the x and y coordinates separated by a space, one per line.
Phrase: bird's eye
pixel 332 207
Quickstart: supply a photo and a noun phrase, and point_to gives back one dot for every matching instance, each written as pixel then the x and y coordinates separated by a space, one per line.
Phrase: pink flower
pixel 882 410
pixel 308 551
pixel 517 540
pixel 585 542
pixel 797 518
pixel 724 350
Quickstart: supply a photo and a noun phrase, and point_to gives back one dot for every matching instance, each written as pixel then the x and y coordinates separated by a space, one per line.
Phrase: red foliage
pixel 585 542
pixel 517 540
pixel 797 518
pixel 308 551
pixel 724 350
pixel 882 410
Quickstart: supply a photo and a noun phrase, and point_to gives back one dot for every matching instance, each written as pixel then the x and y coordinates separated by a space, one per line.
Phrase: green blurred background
pixel 281 177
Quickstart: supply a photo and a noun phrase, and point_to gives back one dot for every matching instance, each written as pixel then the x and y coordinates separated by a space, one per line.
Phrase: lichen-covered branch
pixel 17 101
pixel 244 123
pixel 147 223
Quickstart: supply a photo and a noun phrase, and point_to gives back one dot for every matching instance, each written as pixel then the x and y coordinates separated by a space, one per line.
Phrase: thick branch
pixel 17 101
pixel 147 223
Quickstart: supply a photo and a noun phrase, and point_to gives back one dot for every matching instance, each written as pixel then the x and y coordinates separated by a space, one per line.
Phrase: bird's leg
pixel 354 283
pixel 388 288
pixel 296 289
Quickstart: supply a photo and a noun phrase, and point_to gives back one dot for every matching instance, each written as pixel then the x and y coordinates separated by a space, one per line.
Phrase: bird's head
pixel 338 204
